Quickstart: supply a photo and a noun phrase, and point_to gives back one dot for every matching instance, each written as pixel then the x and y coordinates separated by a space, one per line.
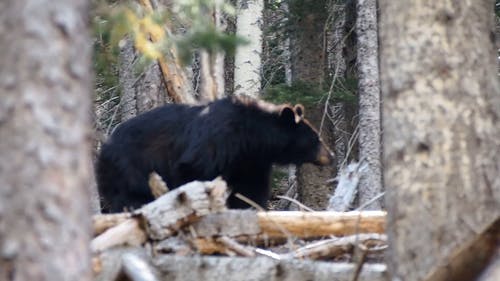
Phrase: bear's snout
pixel 324 156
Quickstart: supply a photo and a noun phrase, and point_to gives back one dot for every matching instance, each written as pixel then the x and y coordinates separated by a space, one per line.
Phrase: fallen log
pixel 251 225
pixel 321 250
pixel 103 222
pixel 112 265
pixel 309 225
pixel 346 189
pixel 157 185
pixel 182 206
pixel 248 226
pixel 137 268
pixel 274 227
pixel 127 232
pixel 161 218
pixel 196 208
pixel 277 224
pixel 335 247
pixel 209 268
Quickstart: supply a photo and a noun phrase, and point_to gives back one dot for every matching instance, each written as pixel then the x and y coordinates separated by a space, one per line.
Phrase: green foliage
pixel 154 31
pixel 310 94
pixel 202 34
pixel 299 92
pixel 273 5
pixel 344 90
pixel 277 176
pixel 300 8
pixel 212 41
pixel 144 26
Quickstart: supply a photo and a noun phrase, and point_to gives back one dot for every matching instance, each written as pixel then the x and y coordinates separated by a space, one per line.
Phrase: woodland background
pixel 405 91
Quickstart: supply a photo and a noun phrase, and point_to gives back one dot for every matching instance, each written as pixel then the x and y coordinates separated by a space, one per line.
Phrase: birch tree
pixel 441 136
pixel 45 81
pixel 247 59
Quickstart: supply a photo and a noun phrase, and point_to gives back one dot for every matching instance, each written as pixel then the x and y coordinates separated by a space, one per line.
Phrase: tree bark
pixel 342 67
pixel 370 184
pixel 308 60
pixel 218 65
pixel 337 63
pixel 140 92
pixel 229 61
pixel 212 64
pixel 162 81
pixel 308 64
pixel 127 77
pixel 174 76
pixel 45 81
pixel 441 136
pixel 248 58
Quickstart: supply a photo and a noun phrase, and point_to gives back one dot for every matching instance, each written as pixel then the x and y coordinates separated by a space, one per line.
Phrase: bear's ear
pixel 287 114
pixel 299 111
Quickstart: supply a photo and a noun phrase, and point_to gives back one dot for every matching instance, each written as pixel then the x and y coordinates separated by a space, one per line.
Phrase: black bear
pixel 238 138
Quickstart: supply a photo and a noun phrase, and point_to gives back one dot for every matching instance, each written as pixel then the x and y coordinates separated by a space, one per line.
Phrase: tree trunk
pixel 370 184
pixel 177 87
pixel 127 77
pixel 45 81
pixel 337 69
pixel 248 58
pixel 150 89
pixel 219 58
pixel 308 64
pixel 308 60
pixel 342 68
pixel 229 66
pixel 140 92
pixel 441 134
pixel 211 70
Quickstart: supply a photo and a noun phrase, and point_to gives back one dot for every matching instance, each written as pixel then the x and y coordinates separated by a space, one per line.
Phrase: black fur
pixel 238 138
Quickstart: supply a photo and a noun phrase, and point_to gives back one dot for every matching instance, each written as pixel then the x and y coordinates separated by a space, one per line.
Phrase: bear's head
pixel 304 144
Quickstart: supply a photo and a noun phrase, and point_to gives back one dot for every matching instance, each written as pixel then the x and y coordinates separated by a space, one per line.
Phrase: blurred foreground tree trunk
pixel 441 136
pixel 45 81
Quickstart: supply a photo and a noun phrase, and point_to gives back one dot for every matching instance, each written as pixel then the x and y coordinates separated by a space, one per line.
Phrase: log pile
pixel 191 222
